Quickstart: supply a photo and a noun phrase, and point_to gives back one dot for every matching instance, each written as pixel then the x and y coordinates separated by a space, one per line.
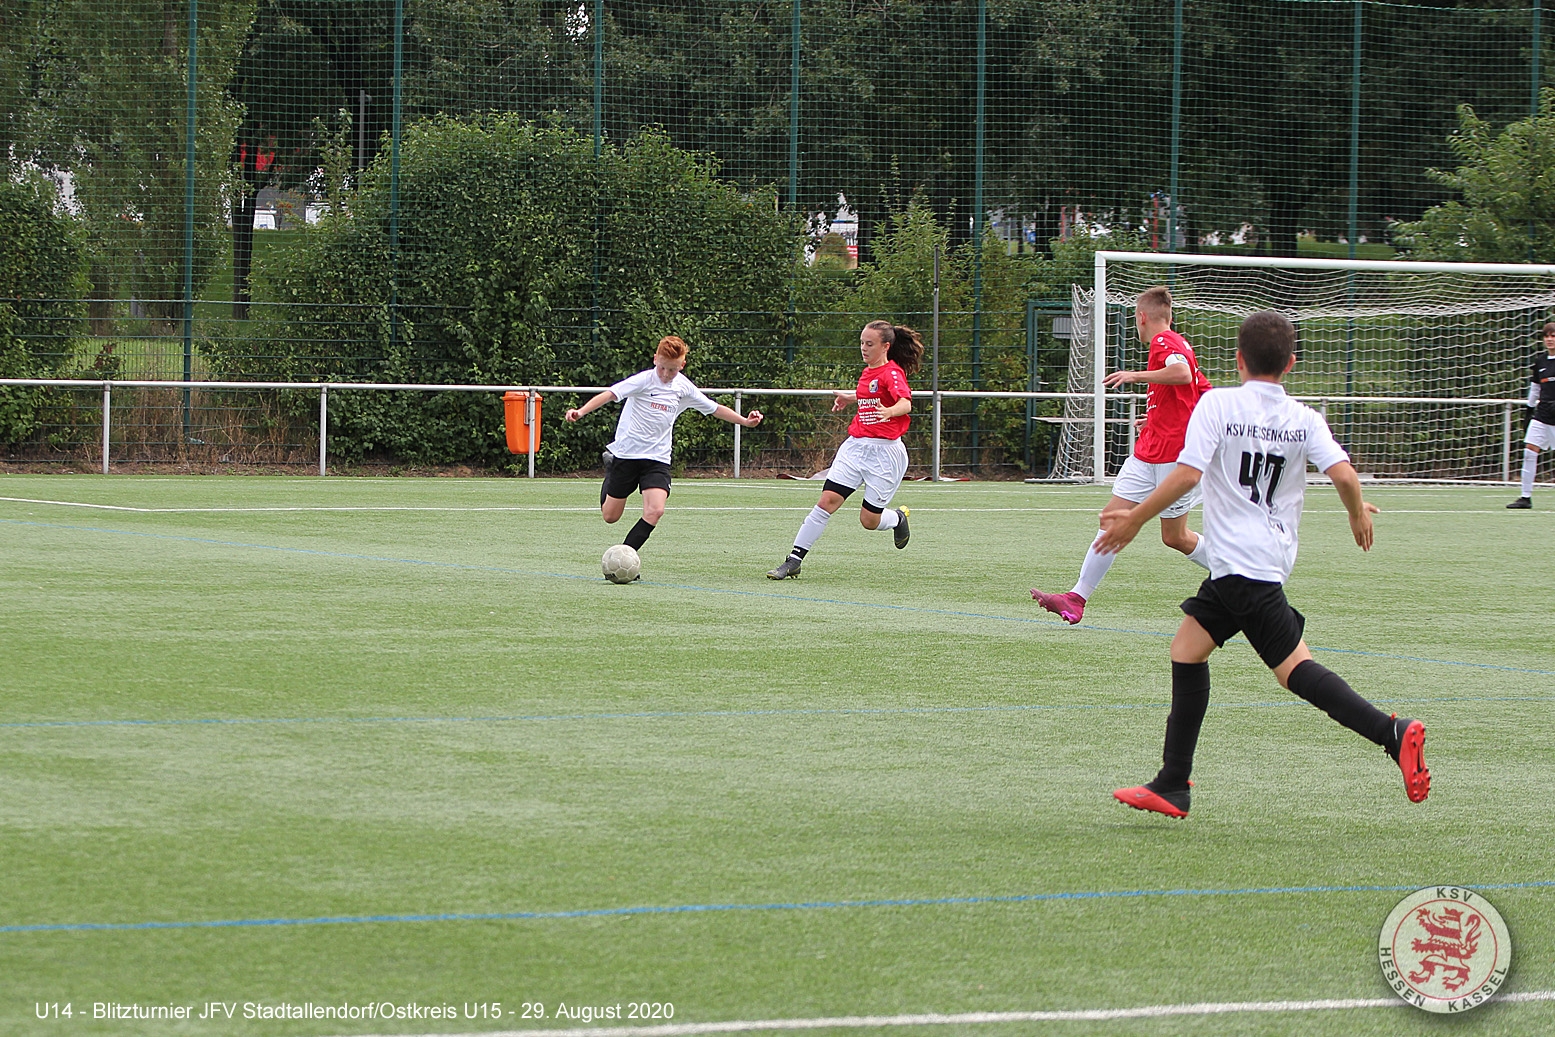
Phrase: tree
pixel 107 108
pixel 1505 182
pixel 1267 107
pixel 304 64
pixel 19 53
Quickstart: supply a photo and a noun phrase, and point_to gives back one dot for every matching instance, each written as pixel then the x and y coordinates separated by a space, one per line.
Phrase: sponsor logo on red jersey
pixel 880 387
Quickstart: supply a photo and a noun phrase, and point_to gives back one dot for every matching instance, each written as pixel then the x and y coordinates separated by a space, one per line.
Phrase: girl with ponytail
pixel 873 455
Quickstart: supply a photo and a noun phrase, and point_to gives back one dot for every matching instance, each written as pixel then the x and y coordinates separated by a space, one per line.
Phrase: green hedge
pixel 501 225
pixel 42 285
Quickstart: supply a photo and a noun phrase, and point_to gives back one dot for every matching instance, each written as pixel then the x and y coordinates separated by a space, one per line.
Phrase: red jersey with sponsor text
pixel 1168 407
pixel 880 387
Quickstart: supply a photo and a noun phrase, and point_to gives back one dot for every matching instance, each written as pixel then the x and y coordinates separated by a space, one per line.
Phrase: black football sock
pixel 1190 698
pixel 799 552
pixel 1328 691
pixel 639 535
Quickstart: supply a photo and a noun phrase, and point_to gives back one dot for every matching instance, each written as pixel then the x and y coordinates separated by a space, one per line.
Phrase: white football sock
pixel 888 519
pixel 1530 466
pixel 1200 554
pixel 1092 570
pixel 813 526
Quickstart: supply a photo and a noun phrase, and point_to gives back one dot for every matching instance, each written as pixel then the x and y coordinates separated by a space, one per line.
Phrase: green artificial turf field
pixel 347 718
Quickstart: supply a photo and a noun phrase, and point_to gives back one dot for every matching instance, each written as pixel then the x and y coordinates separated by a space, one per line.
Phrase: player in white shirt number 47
pixel 1250 446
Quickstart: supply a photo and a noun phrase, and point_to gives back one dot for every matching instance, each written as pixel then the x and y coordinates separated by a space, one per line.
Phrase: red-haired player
pixel 639 457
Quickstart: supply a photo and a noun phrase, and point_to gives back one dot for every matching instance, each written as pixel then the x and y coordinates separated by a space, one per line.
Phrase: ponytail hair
pixel 906 345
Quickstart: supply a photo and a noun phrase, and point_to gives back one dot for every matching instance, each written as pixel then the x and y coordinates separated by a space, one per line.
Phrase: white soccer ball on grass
pixel 620 564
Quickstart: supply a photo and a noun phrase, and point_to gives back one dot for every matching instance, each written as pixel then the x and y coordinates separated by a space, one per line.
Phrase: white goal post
pixel 1421 367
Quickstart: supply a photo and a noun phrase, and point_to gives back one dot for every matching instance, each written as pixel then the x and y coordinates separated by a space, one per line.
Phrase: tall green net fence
pixel 532 193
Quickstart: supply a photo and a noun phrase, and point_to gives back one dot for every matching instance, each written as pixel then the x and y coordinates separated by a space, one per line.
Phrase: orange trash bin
pixel 515 406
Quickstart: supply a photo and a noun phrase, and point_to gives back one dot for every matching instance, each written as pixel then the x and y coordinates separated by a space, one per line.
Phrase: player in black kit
pixel 1541 430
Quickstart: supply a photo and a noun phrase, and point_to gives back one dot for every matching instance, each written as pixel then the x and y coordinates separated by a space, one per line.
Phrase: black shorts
pixel 636 473
pixel 1256 608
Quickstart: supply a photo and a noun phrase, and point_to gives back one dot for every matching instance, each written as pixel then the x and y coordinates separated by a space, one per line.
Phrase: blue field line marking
pixel 914 609
pixel 671 714
pixel 678 909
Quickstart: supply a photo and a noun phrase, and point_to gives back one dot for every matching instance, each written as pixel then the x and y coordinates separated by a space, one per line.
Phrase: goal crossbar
pixel 1378 265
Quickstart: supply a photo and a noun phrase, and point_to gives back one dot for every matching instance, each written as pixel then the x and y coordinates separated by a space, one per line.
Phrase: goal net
pixel 1420 368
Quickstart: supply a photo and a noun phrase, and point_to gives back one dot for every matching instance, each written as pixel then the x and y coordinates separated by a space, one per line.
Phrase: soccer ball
pixel 620 564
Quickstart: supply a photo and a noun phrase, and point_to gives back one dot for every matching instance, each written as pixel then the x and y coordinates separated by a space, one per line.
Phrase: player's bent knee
pixel 1300 654
pixel 1192 643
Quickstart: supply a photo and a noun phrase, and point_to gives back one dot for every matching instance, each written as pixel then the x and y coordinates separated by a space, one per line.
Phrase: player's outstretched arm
pixel 1172 374
pixel 732 417
pixel 1121 525
pixel 593 404
pixel 844 397
pixel 1349 486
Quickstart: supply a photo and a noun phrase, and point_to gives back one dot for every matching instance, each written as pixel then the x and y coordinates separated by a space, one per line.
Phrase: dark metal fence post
pixel 599 150
pixel 1032 331
pixel 189 128
pixel 394 175
pixel 939 401
pixel 978 217
pixel 1537 59
pixel 362 99
pixel 1171 201
pixel 1353 229
pixel 793 112
pixel 1355 128
pixel 793 160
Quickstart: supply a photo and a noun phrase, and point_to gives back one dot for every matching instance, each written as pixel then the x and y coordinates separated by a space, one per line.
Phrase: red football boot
pixel 1143 797
pixel 1411 747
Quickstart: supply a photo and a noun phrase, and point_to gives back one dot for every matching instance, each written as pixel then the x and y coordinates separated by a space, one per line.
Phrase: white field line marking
pixel 973 1018
pixel 349 508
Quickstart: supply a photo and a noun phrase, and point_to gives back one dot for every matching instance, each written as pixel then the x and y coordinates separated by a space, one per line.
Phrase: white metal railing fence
pixel 531 391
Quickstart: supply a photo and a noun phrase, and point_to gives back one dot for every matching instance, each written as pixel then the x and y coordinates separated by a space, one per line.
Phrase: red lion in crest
pixel 1451 939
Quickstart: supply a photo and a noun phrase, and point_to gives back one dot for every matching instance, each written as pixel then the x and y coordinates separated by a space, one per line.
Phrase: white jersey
pixel 1253 443
pixel 648 412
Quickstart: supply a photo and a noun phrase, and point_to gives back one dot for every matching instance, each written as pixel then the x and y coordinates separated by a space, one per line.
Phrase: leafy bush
pixel 502 224
pixel 42 282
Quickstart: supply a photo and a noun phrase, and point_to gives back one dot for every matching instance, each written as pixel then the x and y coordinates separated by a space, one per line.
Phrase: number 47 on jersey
pixel 1265 469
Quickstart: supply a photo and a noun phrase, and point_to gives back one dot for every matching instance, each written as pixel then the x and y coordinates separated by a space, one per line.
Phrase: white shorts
pixel 876 464
pixel 1138 480
pixel 1540 435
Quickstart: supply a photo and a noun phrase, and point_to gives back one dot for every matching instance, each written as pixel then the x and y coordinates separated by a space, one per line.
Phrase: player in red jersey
pixel 1175 385
pixel 873 455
